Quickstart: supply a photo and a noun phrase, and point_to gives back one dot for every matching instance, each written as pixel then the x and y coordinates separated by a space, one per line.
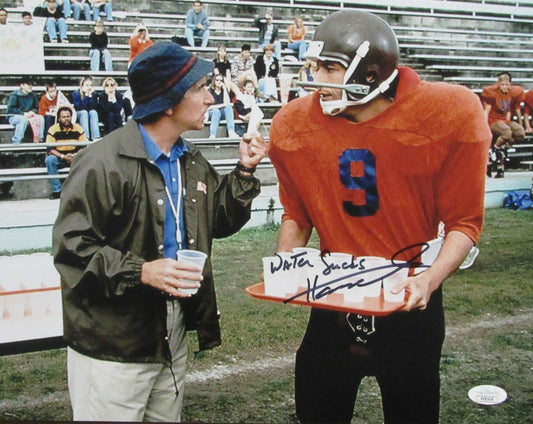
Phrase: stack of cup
pixel 389 281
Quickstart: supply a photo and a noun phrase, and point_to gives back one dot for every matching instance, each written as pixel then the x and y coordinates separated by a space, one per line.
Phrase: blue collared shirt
pixel 169 167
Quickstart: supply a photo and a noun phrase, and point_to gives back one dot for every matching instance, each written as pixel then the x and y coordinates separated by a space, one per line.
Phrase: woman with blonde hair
pixel 86 105
pixel 139 41
pixel 112 105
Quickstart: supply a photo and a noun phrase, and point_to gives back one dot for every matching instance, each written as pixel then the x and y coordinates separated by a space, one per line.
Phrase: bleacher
pixel 461 42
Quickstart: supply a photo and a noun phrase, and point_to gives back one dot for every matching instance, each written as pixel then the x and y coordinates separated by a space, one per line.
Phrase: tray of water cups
pixel 336 281
pixel 30 298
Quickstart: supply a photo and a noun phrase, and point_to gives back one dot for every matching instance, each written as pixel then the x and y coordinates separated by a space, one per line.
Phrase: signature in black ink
pixel 317 291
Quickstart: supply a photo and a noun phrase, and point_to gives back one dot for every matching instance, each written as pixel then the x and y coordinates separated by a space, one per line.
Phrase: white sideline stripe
pixel 219 372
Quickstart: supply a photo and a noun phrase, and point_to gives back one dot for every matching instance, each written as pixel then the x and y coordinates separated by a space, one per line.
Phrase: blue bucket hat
pixel 160 76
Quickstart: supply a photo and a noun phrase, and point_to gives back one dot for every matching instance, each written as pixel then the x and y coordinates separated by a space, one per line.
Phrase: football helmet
pixel 366 46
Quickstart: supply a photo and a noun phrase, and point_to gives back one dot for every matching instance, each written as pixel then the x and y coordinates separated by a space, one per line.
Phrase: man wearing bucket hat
pixel 130 202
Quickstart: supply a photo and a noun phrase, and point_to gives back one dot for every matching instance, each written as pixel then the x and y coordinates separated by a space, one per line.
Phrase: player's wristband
pixel 243 168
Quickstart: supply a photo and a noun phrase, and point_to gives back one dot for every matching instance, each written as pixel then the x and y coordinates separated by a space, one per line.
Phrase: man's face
pixel 65 118
pixel 504 86
pixel 52 92
pixel 331 73
pixel 99 28
pixel 26 88
pixel 249 88
pixel 197 6
pixel 27 20
pixel 3 17
pixel 190 112
pixel 245 54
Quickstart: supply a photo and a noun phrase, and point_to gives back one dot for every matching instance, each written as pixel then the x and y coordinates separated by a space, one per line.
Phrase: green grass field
pixel 250 377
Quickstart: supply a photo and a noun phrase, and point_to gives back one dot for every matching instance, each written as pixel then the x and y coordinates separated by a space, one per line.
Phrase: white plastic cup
pixel 389 282
pixel 273 277
pixel 374 268
pixel 429 255
pixel 285 82
pixel 192 257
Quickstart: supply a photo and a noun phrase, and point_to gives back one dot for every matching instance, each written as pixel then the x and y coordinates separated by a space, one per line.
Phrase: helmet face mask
pixel 366 46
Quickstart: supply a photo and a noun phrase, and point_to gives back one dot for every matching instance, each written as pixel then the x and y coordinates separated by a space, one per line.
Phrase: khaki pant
pixel 509 132
pixel 115 391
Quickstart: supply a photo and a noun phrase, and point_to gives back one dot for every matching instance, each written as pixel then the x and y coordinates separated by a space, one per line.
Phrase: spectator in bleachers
pixel 242 67
pixel 307 74
pixel 222 108
pixel 296 37
pixel 112 105
pixel 22 108
pixel 247 108
pixel 501 101
pixel 139 41
pixel 268 34
pixel 55 22
pixel 3 16
pixel 78 6
pixel 102 6
pixel 48 105
pixel 27 19
pixel 99 51
pixel 61 156
pixel 197 24
pixel 86 104
pixel 266 68
pixel 528 108
pixel 222 63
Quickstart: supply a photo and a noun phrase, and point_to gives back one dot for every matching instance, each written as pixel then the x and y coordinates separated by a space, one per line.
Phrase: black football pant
pixel 403 354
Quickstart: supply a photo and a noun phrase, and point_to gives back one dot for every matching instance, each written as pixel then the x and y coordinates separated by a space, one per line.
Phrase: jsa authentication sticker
pixel 487 395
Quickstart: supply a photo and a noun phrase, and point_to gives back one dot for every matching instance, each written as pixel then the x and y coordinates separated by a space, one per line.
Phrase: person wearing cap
pixel 268 34
pixel 197 24
pixel 22 106
pixel 139 41
pixel 130 202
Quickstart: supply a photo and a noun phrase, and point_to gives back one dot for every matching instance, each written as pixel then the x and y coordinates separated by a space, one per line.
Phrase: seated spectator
pixel 247 108
pixel 296 37
pixel 112 105
pixel 268 34
pixel 61 156
pixel 197 24
pixel 48 105
pixel 3 16
pixel 528 107
pixel 102 6
pixel 98 51
pixel 55 22
pixel 222 63
pixel 27 19
pixel 266 68
pixel 77 7
pixel 221 109
pixel 501 101
pixel 86 104
pixel 242 67
pixel 307 74
pixel 139 41
pixel 22 108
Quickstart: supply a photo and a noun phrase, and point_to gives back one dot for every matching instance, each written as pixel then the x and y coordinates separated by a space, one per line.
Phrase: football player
pixel 373 161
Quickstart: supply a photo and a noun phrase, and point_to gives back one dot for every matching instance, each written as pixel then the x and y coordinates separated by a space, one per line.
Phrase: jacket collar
pixel 131 143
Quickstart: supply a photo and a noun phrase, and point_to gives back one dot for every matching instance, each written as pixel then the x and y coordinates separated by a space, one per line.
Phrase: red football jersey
pixel 502 103
pixel 383 185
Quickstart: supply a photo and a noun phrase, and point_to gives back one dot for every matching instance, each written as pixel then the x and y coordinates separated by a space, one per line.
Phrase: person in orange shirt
pixel 139 41
pixel 501 101
pixel 296 37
